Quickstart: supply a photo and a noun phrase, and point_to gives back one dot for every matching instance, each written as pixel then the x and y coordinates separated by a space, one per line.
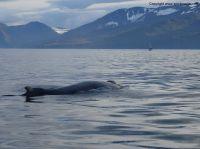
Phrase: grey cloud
pixel 63 13
pixel 69 18
pixel 80 3
pixel 6 0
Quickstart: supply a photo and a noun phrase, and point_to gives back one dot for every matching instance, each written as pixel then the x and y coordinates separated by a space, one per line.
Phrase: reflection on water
pixel 158 108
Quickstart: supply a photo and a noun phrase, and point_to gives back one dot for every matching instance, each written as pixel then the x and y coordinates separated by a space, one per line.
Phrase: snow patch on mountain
pixel 60 30
pixel 112 24
pixel 193 6
pixel 167 11
pixel 186 12
pixel 134 17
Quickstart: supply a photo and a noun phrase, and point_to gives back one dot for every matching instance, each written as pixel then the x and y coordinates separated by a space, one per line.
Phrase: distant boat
pixel 150 47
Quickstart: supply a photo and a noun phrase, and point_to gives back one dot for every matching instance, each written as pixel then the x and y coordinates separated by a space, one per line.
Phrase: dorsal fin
pixel 111 81
pixel 28 88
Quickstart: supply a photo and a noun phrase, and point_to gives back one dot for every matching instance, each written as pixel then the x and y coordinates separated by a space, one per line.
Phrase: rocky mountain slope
pixel 31 35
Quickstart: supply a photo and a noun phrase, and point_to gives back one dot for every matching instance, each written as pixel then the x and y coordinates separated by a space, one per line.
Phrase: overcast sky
pixel 63 13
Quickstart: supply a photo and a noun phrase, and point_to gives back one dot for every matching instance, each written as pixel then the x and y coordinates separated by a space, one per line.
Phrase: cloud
pixel 127 4
pixel 69 18
pixel 22 5
pixel 64 13
pixel 6 0
pixel 117 5
pixel 80 3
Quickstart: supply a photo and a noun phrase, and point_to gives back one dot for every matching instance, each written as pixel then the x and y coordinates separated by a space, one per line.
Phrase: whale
pixel 82 87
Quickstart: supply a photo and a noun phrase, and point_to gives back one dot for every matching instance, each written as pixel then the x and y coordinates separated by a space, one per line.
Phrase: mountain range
pixel 31 35
pixel 166 27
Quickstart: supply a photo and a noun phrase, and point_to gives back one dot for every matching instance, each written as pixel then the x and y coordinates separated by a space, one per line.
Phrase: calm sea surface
pixel 159 108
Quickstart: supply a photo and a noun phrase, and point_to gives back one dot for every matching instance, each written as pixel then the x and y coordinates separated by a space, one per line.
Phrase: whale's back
pixel 72 89
pixel 83 87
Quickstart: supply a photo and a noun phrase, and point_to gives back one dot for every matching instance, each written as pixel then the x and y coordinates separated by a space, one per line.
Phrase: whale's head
pixel 33 92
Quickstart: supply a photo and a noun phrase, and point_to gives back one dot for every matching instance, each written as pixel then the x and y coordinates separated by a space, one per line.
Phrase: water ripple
pixel 159 107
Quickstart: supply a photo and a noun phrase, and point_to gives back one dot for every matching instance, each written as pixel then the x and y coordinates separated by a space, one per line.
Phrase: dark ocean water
pixel 159 107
